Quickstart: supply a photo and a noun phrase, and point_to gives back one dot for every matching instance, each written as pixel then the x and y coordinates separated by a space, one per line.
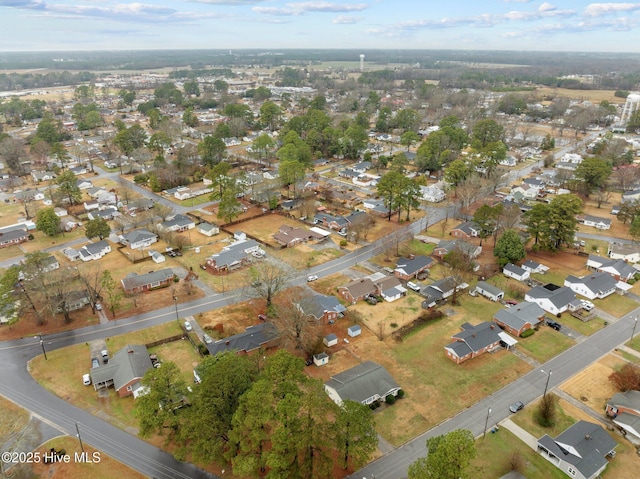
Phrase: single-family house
pixel 597 222
pixel 137 239
pixel 580 451
pixel 124 371
pixel 534 267
pixel 178 223
pixel 489 291
pixel 390 288
pixel 84 184
pixel 553 299
pixel 466 230
pixel 508 161
pixel 365 383
pixel 375 206
pixel 105 214
pixel 79 170
pixel 357 290
pixel 91 205
pixel 48 264
pixel 185 193
pixel 39 176
pixel 411 267
pixel 362 166
pixel 446 246
pixel 633 195
pixel 510 270
pixel 534 183
pixel 592 286
pixel 208 229
pixel 432 193
pixel 73 301
pixel 321 307
pixel 619 269
pixel 338 223
pixel 525 191
pixel 349 173
pixel 12 237
pixel 626 252
pixel 473 341
pixel 259 336
pixel 94 251
pixel 520 317
pixel 234 256
pixel 148 281
pixel 290 236
pixel 624 411
pixel 440 290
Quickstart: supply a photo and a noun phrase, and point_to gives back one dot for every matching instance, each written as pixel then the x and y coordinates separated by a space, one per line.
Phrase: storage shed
pixel 321 359
pixel 330 340
pixel 354 330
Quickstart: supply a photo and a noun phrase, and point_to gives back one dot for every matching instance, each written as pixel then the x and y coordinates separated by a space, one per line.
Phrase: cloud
pixel 600 9
pixel 517 1
pixel 30 4
pixel 300 8
pixel 226 2
pixel 346 20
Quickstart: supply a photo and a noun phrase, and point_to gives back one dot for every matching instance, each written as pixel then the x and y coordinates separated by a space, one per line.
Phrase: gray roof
pixel 520 314
pixel 140 280
pixel 362 382
pixel 413 266
pixel 512 268
pixel 178 220
pixel 97 247
pixel 489 288
pixel 596 282
pixel 559 296
pixel 207 226
pixel 138 235
pixel 131 362
pixel 531 264
pixel 590 444
pixel 469 227
pixel 252 338
pixel 620 266
pixel 629 399
pixel 450 245
pixel 360 287
pixel 475 337
pixel 233 253
pixel 13 235
pixel 318 304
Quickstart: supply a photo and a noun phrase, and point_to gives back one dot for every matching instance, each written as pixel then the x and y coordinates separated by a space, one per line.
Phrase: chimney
pixel 587 437
pixel 493 326
pixel 412 256
pixel 227 343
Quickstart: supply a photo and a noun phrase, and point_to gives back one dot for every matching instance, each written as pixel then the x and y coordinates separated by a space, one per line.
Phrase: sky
pixel 563 25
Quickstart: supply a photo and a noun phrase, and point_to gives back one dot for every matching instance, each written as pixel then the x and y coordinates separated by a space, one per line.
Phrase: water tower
pixel 361 63
pixel 631 106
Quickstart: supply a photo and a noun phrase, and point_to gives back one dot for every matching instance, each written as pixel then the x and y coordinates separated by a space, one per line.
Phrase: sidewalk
pixel 523 435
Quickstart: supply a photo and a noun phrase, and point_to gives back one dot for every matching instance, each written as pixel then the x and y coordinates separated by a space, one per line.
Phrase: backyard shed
pixel 330 340
pixel 320 359
pixel 354 330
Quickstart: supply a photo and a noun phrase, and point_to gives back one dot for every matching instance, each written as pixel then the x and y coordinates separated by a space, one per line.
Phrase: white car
pixel 187 326
pixel 413 286
pixel 313 277
pixel 86 379
pixel 587 305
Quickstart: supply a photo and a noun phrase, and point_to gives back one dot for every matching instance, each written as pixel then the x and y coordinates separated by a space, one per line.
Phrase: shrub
pixel 400 394
pixel 390 399
pixel 394 325
pixel 343 242
pixel 527 333
pixel 545 414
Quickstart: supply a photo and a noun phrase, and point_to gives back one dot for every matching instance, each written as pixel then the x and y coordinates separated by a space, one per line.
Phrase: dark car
pixel 511 302
pixel 516 406
pixel 554 324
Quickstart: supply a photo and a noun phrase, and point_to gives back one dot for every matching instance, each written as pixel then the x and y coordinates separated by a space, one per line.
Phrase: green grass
pixel 635 343
pixel 495 451
pixel 545 344
pixel 527 421
pixel 551 277
pixel 144 336
pixel 417 247
pixel 586 329
pixel 616 305
pixel 192 202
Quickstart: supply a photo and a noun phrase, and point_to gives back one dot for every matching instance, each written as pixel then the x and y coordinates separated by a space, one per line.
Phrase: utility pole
pixel 486 422
pixel 42 346
pixel 79 438
pixel 547 383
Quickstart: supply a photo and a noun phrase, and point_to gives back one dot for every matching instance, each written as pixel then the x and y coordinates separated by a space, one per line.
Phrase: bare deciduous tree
pixel 268 279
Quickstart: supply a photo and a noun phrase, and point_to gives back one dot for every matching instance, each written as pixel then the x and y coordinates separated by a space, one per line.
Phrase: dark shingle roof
pixel 252 338
pixel 362 382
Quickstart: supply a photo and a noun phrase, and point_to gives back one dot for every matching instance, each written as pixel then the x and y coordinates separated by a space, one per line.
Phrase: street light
pixel 486 422
pixel 175 303
pixel 633 331
pixel 546 386
pixel 42 346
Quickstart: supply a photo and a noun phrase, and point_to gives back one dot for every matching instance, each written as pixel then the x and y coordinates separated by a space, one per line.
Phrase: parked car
pixel 554 324
pixel 413 286
pixel 262 317
pixel 388 270
pixel 207 339
pixel 313 277
pixel 86 379
pixel 587 305
pixel 105 356
pixel 98 307
pixel 95 363
pixel 516 406
pixel 511 302
pixel 187 326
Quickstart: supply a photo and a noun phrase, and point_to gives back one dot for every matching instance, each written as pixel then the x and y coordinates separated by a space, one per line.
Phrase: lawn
pixel 495 451
pixel 416 247
pixel 616 305
pixel 584 328
pixel 12 419
pixel 41 241
pixel 526 420
pixel 545 344
pixel 180 352
pixel 106 468
pixel 10 252
pixel 303 256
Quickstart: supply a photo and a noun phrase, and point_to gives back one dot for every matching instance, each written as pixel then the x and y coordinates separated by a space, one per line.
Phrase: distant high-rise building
pixel 361 63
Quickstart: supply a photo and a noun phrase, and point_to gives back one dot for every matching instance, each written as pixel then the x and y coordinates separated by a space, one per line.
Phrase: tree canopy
pixel 449 457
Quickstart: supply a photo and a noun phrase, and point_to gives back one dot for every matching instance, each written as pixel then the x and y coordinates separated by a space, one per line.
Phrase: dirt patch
pixel 561 261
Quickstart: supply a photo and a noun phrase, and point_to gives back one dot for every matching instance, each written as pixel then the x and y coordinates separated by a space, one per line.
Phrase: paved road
pixel 526 389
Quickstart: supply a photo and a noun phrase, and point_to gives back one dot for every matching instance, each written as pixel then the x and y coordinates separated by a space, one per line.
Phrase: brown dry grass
pixel 591 95
pixel 106 468
pixel 264 227
pixel 12 419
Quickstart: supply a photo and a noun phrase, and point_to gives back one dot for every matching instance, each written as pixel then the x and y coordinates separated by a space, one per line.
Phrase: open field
pixel 264 227
pixel 106 468
pixel 595 96
pixel 304 256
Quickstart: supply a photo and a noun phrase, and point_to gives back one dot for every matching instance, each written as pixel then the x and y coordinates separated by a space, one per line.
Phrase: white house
pixel 432 194
pixel 178 222
pixel 138 239
pixel 489 291
pixel 208 229
pixel 626 252
pixel 94 251
pixel 592 286
pixel 320 359
pixel 534 267
pixel 553 299
pixel 516 272
pixel 597 222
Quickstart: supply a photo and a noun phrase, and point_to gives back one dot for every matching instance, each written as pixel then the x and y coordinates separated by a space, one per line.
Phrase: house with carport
pixel 411 267
pixel 519 318
pixel 592 286
pixel 473 341
pixel 124 371
pixel 365 383
pixel 357 290
pixel 581 451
